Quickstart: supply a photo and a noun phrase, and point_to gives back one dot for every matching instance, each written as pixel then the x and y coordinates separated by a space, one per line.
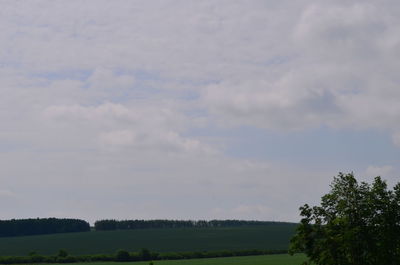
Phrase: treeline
pixel 124 256
pixel 110 224
pixel 39 226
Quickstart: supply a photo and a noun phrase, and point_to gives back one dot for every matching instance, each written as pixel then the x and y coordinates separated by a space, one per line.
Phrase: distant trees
pixel 356 224
pixel 62 253
pixel 106 225
pixel 38 226
pixel 123 256
pixel 24 227
pixel 144 224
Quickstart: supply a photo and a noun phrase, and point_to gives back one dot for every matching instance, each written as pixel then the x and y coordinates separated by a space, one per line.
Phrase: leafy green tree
pixel 122 255
pixel 62 253
pixel 356 224
pixel 145 254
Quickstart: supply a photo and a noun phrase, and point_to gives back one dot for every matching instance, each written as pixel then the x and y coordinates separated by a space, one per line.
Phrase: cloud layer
pixel 111 108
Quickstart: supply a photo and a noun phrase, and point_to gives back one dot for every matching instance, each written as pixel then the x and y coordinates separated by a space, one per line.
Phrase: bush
pixel 67 259
pixel 122 255
pixel 62 253
pixel 145 254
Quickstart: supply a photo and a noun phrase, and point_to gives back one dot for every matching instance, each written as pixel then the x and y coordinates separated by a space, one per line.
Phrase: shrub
pixel 122 255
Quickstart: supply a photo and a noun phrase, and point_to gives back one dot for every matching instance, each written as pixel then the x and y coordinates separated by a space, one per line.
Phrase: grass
pixel 249 260
pixel 252 260
pixel 271 237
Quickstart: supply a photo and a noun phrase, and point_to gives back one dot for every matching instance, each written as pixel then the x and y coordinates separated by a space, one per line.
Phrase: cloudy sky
pixel 193 109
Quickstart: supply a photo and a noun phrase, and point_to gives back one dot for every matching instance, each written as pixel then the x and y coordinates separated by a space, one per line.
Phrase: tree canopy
pixel 38 226
pixel 356 224
pixel 111 224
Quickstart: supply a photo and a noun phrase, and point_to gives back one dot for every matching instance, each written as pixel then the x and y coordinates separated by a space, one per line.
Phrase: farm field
pixel 271 237
pixel 283 259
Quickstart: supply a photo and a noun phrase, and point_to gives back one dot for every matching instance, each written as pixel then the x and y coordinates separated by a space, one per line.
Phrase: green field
pixel 271 237
pixel 250 260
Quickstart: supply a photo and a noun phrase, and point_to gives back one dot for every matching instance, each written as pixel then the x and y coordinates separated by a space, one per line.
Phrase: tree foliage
pixel 38 226
pixel 356 224
pixel 102 225
pixel 123 256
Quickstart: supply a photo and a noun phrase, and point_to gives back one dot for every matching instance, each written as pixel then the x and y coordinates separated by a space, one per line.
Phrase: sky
pixel 186 109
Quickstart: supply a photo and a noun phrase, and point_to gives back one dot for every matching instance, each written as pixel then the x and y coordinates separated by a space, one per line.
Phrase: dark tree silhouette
pixel 23 227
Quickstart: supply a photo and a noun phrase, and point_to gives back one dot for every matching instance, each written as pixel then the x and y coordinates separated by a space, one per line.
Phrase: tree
pixel 62 253
pixel 356 224
pixel 122 255
pixel 145 254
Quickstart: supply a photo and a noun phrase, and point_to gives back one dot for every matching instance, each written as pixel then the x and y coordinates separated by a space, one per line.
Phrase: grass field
pixel 250 260
pixel 271 237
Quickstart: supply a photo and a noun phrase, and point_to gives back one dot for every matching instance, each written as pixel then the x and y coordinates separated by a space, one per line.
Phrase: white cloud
pixel 165 140
pixel 244 212
pixel 92 113
pixel 137 126
pixel 275 105
pixel 119 138
pixel 396 139
pixel 7 194
pixel 340 72
pixel 383 171
pixel 104 93
pixel 106 79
